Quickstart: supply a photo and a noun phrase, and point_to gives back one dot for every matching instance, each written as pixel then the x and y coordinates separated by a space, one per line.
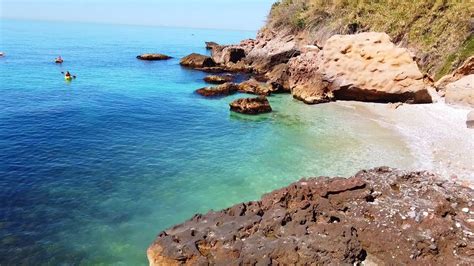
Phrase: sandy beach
pixel 436 134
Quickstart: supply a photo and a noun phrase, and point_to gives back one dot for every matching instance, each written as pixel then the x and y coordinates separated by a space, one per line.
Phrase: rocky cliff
pixel 438 33
pixel 382 216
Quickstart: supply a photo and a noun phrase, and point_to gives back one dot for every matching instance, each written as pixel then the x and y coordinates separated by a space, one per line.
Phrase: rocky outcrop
pixel 269 50
pixel 461 92
pixel 218 79
pixel 254 87
pixel 369 67
pixel 361 67
pixel 467 68
pixel 278 78
pixel 231 58
pixel 251 106
pixel 211 45
pixel 153 57
pixel 219 91
pixel 227 54
pixel 306 80
pixel 381 216
pixel 198 61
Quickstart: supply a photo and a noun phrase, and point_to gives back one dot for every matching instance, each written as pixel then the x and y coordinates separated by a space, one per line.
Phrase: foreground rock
pixel 461 92
pixel 251 106
pixel 382 216
pixel 219 91
pixel 197 61
pixel 218 79
pixel 153 57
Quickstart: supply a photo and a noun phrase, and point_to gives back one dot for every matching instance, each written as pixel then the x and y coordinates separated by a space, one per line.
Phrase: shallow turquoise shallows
pixel 92 170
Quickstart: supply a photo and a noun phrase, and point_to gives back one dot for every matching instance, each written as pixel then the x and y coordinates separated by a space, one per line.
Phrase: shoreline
pixel 436 135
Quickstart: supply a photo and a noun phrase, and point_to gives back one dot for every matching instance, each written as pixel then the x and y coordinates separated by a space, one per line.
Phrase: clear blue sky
pixel 228 14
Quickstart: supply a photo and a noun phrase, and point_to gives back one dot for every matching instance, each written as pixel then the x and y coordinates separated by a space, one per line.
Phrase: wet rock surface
pixel 218 79
pixel 381 216
pixel 153 57
pixel 251 106
pixel 225 89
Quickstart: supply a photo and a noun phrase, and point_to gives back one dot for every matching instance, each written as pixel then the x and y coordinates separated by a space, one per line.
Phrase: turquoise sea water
pixel 92 170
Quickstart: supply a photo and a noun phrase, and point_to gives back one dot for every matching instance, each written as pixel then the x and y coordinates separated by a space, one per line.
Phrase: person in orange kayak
pixel 67 75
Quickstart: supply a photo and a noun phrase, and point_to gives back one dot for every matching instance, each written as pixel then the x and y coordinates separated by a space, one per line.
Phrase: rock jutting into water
pixel 210 45
pixel 251 106
pixel 218 79
pixel 197 61
pixel 153 57
pixel 218 91
pixel 379 216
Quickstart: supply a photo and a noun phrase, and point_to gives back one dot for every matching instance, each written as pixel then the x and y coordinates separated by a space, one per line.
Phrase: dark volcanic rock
pixel 221 90
pixel 381 216
pixel 197 61
pixel 218 79
pixel 153 57
pixel 251 106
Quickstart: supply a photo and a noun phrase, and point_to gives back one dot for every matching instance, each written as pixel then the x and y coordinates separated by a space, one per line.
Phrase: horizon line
pixel 123 24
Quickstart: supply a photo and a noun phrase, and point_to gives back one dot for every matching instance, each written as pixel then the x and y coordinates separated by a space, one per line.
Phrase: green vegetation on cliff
pixel 440 31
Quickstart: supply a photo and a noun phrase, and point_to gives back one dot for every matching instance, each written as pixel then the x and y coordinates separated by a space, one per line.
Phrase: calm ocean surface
pixel 92 170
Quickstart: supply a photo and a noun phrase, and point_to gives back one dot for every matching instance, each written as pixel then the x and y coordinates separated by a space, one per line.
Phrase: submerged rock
pixel 221 90
pixel 251 106
pixel 381 216
pixel 197 61
pixel 218 79
pixel 153 57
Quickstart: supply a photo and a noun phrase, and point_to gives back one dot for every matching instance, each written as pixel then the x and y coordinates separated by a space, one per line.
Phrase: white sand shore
pixel 436 134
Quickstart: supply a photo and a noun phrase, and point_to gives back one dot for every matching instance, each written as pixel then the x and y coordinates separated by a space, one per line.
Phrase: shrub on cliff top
pixel 439 30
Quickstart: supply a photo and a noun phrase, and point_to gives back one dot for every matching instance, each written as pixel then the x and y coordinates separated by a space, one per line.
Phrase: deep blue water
pixel 92 170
